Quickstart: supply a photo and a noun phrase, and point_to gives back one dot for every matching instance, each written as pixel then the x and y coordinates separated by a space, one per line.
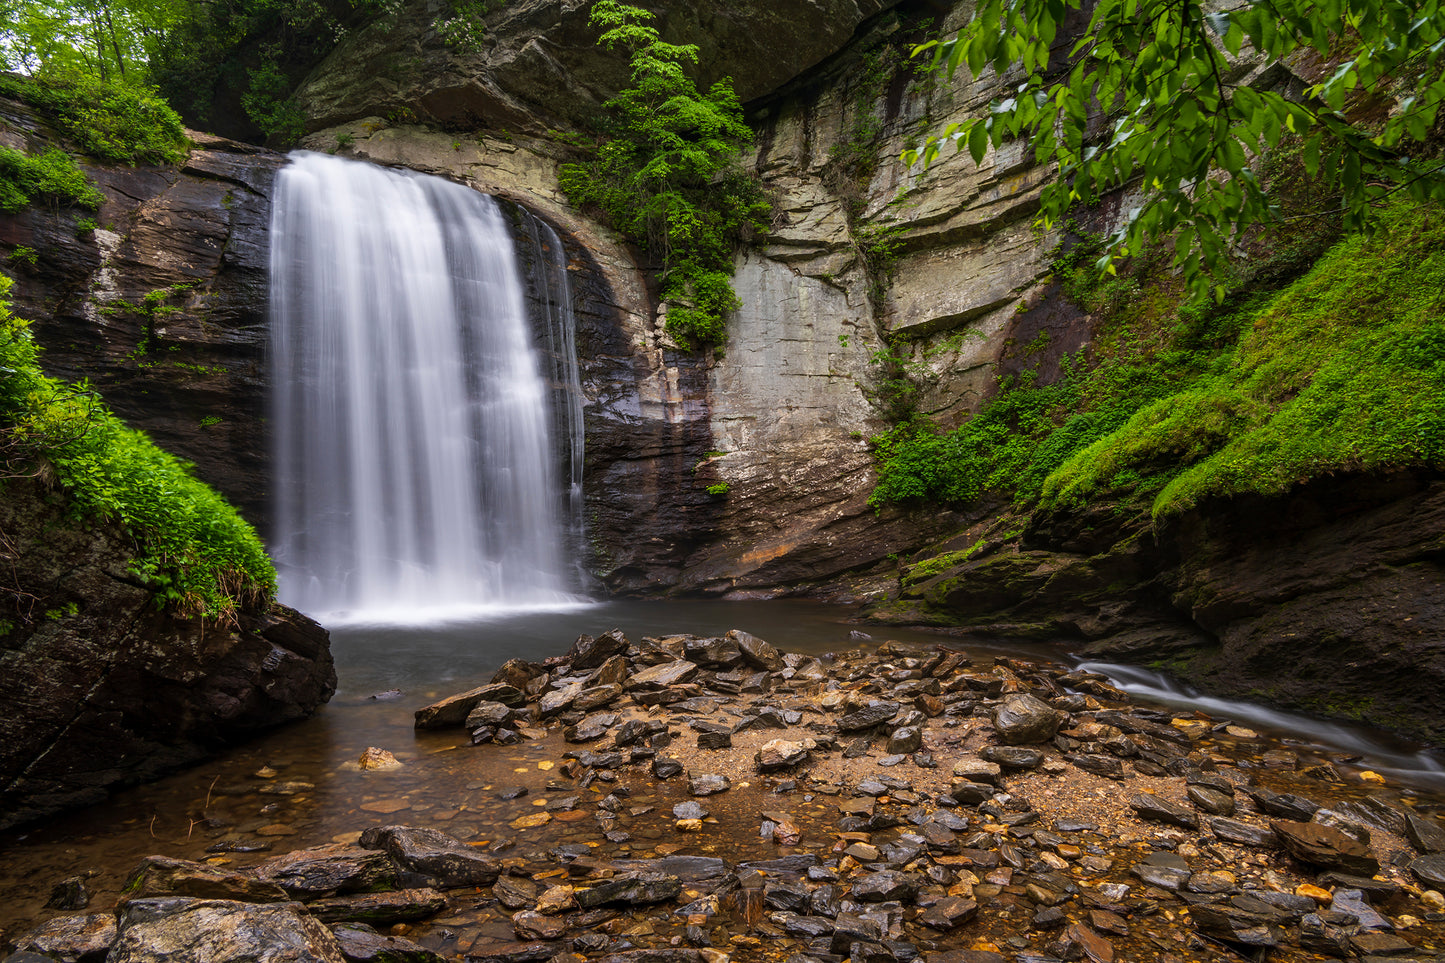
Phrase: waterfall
pixel 417 471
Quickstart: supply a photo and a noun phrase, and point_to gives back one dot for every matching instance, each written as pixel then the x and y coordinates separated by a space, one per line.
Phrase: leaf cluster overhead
pixel 1115 91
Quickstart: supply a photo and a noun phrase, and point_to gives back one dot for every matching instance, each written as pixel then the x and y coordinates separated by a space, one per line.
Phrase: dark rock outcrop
pixel 103 687
pixel 1329 598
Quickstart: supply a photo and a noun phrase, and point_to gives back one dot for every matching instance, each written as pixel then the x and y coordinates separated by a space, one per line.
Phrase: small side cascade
pixel 416 470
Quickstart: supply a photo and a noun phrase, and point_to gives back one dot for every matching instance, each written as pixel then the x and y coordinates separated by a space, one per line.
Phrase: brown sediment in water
pixel 1041 853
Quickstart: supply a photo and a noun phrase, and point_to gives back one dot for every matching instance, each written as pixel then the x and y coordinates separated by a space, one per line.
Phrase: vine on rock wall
pixel 666 175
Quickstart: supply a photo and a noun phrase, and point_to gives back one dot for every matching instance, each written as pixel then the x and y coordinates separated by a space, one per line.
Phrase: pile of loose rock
pixel 901 804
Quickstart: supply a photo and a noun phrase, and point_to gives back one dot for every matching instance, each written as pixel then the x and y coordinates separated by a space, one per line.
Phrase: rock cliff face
pixel 103 688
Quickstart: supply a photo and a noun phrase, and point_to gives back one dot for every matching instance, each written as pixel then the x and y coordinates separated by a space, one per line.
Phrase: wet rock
pixel 905 739
pixel 1378 945
pixel 328 870
pixel 712 652
pixel 1014 757
pixel 435 854
pixel 967 793
pixel 1424 833
pixel 948 913
pixel 708 784
pixel 70 939
pixel 629 889
pixel 379 909
pixel 1095 947
pixel 1243 834
pixel 873 714
pixel 664 768
pixel 690 809
pixel 220 931
pixel 1210 800
pixel 1253 924
pixel 362 944
pixel 1283 805
pixel 590 653
pixel 1320 845
pixel 1024 720
pixel 1327 932
pixel 453 710
pixel 69 894
pixel 779 754
pixel 488 713
pixel 163 876
pixel 515 892
pixel 1354 903
pixel 529 925
pixel 850 928
pixel 1164 870
pixel 1150 806
pixel 718 738
pixel 1106 766
pixel 756 652
pixel 374 759
pixel 1430 870
pixel 1336 820
pixel 666 675
pixel 557 899
pixel 591 728
pixel 516 674
pixel 558 699
pixel 884 885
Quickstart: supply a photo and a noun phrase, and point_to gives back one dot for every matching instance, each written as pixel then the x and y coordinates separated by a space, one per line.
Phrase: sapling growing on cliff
pixel 667 175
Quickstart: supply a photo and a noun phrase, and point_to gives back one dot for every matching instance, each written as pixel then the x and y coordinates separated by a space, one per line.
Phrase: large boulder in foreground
pixel 103 687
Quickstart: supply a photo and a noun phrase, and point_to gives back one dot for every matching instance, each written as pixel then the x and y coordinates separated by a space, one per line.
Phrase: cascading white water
pixel 415 476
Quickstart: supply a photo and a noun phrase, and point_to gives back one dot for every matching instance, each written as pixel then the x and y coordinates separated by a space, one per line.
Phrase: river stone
pixel 515 892
pixel 1327 932
pixel 978 770
pixel 629 889
pixel 612 672
pixel 967 793
pixel 398 906
pixel 872 714
pixel 1242 834
pixel 949 912
pixel 713 653
pixel 1211 800
pixel 164 876
pixel 708 784
pixel 1430 870
pixel 435 854
pixel 529 925
pixel 1354 903
pixel 1329 817
pixel 1023 720
pixel 1100 765
pixel 363 944
pixel 597 696
pixel 849 928
pixel 1424 833
pixel 453 710
pixel 905 739
pixel 1165 870
pixel 559 698
pixel 328 870
pixel 70 939
pixel 590 653
pixel 782 754
pixel 517 674
pixel 1320 845
pixel 1233 924
pixel 690 809
pixel 883 886
pixel 755 651
pixel 590 728
pixel 1150 806
pixel 658 677
pixel 488 713
pixel 220 931
pixel 1283 805
pixel 665 768
pixel 1014 757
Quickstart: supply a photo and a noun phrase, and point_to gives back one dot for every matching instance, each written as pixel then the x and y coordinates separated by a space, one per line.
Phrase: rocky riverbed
pixel 694 800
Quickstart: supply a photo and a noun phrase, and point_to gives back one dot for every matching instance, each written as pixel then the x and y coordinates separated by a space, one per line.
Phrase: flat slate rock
pixel 385 909
pixel 328 870
pixel 1430 870
pixel 1321 845
pixel 69 938
pixel 362 944
pixel 1024 720
pixel 435 854
pixel 220 931
pixel 1150 806
pixel 163 876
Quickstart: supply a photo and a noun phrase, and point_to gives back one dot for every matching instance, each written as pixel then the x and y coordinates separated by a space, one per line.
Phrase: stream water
pixel 319 794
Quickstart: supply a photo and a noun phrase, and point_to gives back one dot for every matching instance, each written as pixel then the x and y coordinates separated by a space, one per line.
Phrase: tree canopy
pixel 1151 90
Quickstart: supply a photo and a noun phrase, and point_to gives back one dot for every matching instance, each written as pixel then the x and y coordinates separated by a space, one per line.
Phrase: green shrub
pixel 200 555
pixel 108 120
pixel 30 177
pixel 666 176
pixel 1342 370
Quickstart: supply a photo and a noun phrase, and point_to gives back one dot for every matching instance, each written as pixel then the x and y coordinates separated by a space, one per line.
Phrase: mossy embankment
pixel 1247 494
